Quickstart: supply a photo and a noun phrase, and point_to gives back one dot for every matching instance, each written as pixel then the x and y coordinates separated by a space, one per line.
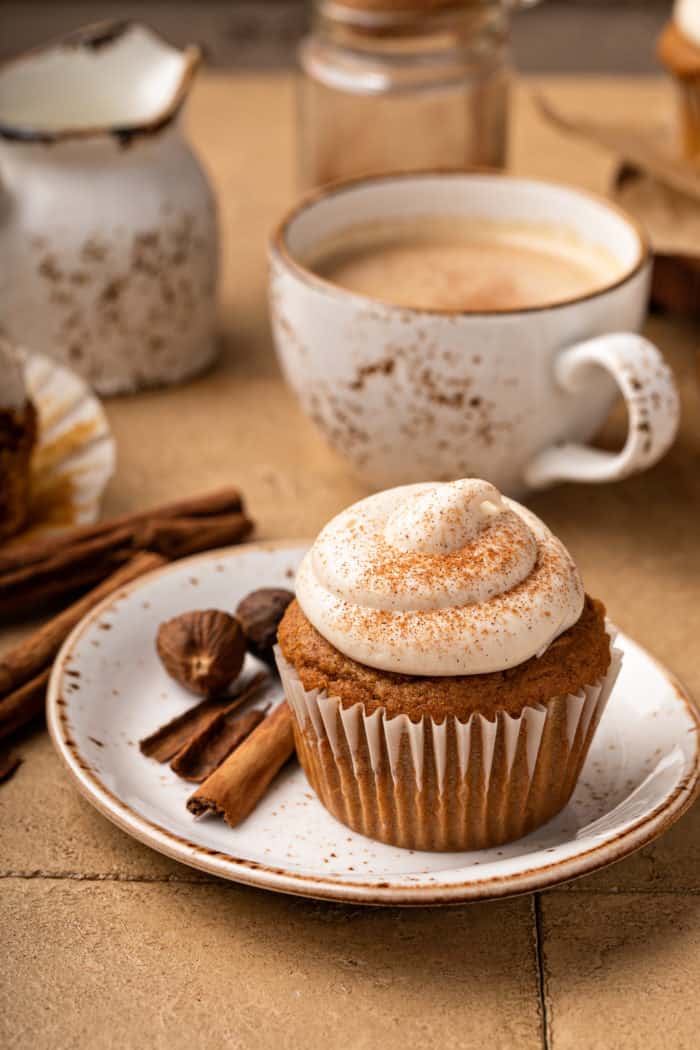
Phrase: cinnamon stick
pixel 68 584
pixel 10 762
pixel 235 788
pixel 89 560
pixel 170 739
pixel 23 704
pixel 24 670
pixel 164 743
pixel 201 756
pixel 179 537
pixel 675 285
pixel 223 501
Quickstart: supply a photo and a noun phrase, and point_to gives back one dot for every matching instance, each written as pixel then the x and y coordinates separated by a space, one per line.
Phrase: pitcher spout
pixel 111 78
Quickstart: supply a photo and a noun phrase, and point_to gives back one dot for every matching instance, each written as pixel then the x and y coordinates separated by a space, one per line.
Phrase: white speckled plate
pixel 108 690
pixel 75 452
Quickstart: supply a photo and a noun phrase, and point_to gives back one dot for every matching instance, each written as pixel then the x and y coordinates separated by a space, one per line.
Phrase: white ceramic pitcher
pixel 108 228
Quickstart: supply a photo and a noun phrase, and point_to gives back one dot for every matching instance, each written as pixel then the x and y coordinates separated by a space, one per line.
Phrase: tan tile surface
pixel 560 35
pixel 240 424
pixel 621 971
pixel 48 828
pixel 672 863
pixel 121 957
pixel 163 966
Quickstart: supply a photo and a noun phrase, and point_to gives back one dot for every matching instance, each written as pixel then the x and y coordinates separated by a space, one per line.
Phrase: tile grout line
pixel 539 952
pixel 672 891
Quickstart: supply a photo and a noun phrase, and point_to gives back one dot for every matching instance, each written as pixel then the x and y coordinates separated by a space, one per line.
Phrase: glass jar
pixel 390 85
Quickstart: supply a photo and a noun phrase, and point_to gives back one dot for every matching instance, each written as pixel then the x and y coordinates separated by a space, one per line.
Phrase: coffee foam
pixel 458 263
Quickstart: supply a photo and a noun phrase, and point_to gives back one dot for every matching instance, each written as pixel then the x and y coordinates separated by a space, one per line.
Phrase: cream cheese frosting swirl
pixel 439 579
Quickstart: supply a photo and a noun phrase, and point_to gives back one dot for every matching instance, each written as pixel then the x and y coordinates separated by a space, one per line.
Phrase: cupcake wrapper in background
pixel 681 57
pixel 15 478
pixel 14 486
pixel 444 786
pixel 689 93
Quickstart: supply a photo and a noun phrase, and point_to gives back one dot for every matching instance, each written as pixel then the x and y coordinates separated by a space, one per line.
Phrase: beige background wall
pixel 560 36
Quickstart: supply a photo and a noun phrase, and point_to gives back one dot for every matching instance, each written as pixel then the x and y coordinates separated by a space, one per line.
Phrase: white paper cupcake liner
pixel 75 452
pixel 447 785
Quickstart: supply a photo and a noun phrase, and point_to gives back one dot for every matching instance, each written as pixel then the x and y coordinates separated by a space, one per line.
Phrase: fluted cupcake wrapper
pixel 446 785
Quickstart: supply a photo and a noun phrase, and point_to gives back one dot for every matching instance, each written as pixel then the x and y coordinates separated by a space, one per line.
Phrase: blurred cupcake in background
pixel 679 50
pixel 18 434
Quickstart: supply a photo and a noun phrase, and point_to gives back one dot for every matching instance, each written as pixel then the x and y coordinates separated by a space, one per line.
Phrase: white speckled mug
pixel 509 395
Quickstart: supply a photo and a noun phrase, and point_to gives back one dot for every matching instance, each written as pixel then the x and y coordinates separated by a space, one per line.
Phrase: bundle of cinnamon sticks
pixel 72 561
pixel 25 670
pixel 234 757
pixel 108 555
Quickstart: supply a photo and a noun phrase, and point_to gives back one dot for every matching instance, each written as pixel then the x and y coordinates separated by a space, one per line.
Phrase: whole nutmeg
pixel 259 615
pixel 204 650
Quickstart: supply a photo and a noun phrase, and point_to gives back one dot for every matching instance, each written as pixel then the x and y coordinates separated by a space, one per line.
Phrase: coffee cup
pixel 510 384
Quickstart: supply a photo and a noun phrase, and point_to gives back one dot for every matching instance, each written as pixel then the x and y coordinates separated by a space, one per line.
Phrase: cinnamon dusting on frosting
pixel 443 579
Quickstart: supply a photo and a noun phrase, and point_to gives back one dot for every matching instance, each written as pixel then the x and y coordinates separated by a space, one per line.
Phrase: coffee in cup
pixel 470 265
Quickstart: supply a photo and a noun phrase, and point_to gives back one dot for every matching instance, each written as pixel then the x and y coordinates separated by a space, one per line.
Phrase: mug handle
pixel 653 411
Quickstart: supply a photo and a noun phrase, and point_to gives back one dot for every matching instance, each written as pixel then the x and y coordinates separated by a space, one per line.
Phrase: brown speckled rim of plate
pixel 279 249
pixel 238 869
pixel 94 37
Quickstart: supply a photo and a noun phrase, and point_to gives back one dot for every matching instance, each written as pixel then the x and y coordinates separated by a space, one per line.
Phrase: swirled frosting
pixel 439 579
pixel 686 15
pixel 13 393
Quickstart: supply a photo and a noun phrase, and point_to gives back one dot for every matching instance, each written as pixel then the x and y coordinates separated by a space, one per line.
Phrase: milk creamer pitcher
pixel 108 229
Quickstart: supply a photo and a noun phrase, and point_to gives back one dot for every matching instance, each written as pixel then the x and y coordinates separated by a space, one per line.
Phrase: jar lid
pixel 390 6
pixel 377 14
pixel 397 7
pixel 396 19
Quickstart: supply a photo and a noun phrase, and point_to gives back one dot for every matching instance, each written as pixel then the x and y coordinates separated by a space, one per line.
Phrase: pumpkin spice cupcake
pixel 18 432
pixel 445 668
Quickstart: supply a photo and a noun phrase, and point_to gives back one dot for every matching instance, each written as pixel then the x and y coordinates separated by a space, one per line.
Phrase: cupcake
pixel 445 667
pixel 679 50
pixel 18 430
